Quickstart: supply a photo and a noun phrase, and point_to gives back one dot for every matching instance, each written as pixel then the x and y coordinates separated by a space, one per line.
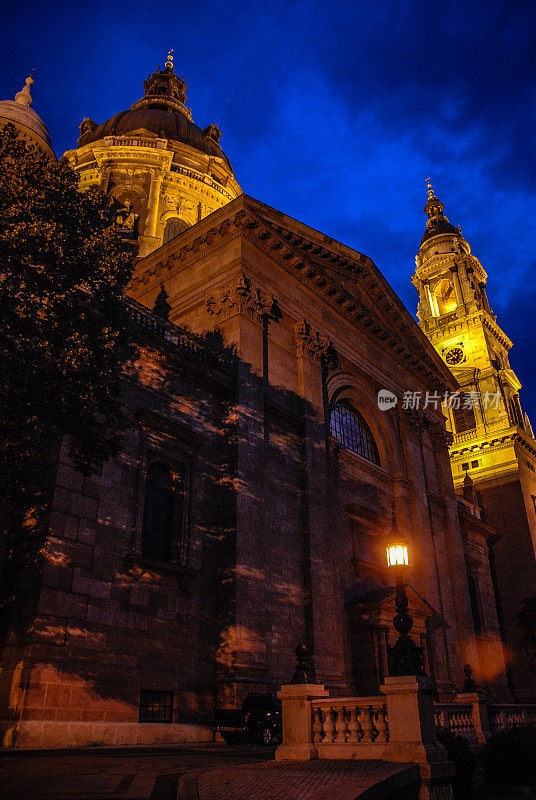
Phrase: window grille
pixel 173 228
pixel 156 706
pixel 464 419
pixel 350 429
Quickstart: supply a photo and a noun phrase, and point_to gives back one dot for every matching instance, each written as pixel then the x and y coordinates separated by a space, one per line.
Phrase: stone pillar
pixel 298 743
pixel 425 299
pixel 239 312
pixel 105 178
pixel 484 294
pixel 431 300
pixel 412 734
pixel 148 242
pixel 479 713
pixel 326 605
pixel 457 285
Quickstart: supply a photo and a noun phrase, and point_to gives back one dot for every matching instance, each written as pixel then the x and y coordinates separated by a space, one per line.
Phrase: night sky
pixel 331 112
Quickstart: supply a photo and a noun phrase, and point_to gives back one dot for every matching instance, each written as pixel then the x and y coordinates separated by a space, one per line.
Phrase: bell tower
pixel 492 438
pixel 455 314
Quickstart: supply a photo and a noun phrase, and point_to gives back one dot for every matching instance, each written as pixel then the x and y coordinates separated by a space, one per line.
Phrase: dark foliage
pixel 63 326
pixel 510 757
pixel 459 752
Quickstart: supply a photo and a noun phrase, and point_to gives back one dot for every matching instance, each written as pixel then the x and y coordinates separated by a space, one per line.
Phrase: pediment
pixel 350 282
pixel 343 278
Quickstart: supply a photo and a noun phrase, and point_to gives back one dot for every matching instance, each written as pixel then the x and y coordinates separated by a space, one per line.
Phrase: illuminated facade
pixel 493 441
pixel 251 505
pixel 163 172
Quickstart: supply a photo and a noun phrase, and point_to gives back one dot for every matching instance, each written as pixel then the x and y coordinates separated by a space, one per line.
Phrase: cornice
pixel 149 270
pixel 466 322
pixel 301 258
pixel 309 263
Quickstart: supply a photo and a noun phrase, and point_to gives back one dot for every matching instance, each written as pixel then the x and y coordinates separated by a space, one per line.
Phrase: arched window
pixel 350 429
pixel 445 296
pixel 173 227
pixel 157 532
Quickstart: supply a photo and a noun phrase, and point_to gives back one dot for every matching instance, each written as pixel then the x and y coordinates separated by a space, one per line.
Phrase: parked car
pixel 259 720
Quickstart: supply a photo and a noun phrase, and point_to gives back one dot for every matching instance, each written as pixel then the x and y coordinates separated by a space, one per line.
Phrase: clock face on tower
pixel 454 356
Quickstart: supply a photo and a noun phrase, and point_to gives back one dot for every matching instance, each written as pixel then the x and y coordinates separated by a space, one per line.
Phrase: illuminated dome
pixel 29 124
pixel 161 111
pixel 161 171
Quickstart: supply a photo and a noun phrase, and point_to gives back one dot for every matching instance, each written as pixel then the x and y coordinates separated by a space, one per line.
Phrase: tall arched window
pixel 173 228
pixel 350 429
pixel 157 532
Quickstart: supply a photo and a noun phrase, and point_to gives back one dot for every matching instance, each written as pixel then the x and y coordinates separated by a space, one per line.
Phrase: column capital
pixel 314 345
pixel 242 297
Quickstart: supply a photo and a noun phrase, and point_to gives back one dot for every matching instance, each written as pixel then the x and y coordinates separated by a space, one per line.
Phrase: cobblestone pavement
pixel 306 780
pixel 194 772
pixel 111 773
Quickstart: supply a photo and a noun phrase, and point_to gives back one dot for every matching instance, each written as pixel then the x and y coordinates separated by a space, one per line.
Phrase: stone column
pixel 457 285
pixel 105 178
pixel 312 350
pixel 240 311
pixel 425 299
pixel 149 242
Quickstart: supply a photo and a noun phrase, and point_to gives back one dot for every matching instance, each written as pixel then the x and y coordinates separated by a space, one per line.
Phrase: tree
pixel 63 323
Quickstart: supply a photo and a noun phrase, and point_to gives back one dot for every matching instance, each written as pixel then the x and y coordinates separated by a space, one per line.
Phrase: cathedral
pixel 262 476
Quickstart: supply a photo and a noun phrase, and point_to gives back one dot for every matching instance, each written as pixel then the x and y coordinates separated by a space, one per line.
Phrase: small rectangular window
pixel 474 464
pixel 465 466
pixel 156 706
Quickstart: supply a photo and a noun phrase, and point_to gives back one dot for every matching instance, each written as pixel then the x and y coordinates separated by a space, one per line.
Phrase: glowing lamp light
pixel 397 555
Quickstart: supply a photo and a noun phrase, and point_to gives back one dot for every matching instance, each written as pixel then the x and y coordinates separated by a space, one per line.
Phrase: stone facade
pixel 255 334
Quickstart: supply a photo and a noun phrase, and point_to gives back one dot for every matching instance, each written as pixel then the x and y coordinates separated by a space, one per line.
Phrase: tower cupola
pixel 437 222
pixel 165 90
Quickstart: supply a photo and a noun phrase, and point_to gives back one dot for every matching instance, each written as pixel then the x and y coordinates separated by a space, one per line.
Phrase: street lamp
pixel 405 657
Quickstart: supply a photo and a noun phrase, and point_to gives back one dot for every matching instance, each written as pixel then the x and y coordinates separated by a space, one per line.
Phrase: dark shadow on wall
pixel 89 621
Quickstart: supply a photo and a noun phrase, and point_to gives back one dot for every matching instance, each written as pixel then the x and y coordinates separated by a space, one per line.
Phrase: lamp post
pixel 405 657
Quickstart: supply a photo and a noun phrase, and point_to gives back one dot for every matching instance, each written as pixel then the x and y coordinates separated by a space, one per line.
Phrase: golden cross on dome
pixel 169 62
pixel 429 187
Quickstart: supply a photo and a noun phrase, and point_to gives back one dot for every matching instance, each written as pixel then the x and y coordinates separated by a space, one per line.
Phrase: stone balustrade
pixel 457 718
pixel 134 141
pixel 350 720
pixel 186 341
pixel 465 436
pixel 476 720
pixel 396 726
pixel 510 716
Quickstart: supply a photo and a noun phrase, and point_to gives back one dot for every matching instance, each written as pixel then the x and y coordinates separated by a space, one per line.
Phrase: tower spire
pixel 24 97
pixel 169 62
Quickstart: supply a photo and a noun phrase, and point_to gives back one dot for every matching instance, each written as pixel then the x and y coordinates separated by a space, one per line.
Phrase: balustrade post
pixel 412 733
pixel 479 713
pixel 299 738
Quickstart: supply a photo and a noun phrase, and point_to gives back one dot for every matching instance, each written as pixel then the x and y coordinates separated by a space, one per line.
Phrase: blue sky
pixel 331 112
